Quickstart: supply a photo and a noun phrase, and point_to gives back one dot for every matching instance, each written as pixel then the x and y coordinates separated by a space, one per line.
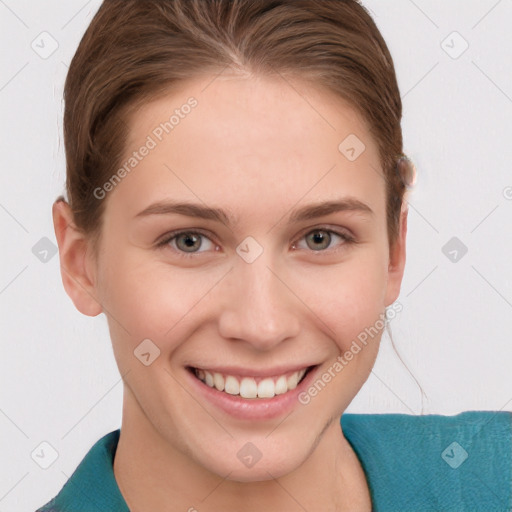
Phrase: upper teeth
pixel 247 387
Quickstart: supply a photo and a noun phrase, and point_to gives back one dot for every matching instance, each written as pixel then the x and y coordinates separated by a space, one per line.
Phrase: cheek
pixel 352 300
pixel 148 300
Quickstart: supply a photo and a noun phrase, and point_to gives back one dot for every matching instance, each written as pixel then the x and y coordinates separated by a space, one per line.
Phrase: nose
pixel 259 307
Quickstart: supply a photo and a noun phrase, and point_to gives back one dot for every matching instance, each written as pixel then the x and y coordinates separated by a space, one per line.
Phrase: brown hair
pixel 135 50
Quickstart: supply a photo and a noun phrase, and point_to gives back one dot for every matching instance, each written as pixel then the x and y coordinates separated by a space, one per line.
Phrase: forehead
pixel 260 144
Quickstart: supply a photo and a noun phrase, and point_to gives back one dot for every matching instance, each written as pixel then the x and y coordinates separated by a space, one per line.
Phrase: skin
pixel 254 147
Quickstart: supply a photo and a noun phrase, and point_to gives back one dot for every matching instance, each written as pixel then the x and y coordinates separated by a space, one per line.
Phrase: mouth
pixel 249 387
pixel 252 395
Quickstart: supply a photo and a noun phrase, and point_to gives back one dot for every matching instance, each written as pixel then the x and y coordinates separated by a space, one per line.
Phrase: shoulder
pixel 435 462
pixel 92 486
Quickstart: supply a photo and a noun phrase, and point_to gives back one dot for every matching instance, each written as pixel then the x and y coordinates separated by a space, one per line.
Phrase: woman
pixel 236 182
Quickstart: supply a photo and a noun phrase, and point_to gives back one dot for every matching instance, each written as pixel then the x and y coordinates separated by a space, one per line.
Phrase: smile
pixel 252 387
pixel 251 394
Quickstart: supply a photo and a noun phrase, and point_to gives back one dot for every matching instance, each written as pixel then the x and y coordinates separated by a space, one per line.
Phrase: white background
pixel 59 380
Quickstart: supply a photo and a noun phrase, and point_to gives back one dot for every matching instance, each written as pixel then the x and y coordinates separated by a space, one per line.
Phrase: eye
pixel 320 239
pixel 186 242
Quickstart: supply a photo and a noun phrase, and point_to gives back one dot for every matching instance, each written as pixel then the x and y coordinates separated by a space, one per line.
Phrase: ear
pixel 76 262
pixel 397 258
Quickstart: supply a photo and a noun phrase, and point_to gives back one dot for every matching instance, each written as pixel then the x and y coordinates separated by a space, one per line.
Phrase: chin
pixel 254 461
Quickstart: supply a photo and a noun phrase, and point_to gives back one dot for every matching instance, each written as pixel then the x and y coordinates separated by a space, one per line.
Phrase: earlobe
pixel 397 261
pixel 76 273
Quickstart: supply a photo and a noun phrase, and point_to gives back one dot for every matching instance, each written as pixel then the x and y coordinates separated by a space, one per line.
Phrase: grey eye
pixel 320 240
pixel 188 242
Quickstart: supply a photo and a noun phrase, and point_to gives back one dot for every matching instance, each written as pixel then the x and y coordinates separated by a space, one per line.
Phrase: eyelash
pixel 348 239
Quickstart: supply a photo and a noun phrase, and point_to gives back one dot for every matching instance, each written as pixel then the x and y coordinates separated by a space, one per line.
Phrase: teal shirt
pixel 412 464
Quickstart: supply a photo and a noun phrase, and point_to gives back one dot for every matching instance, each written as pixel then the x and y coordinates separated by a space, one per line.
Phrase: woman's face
pixel 262 284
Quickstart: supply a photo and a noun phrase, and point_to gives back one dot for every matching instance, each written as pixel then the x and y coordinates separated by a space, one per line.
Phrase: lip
pixel 252 408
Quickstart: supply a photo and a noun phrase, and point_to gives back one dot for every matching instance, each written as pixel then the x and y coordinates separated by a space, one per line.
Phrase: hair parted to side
pixel 135 50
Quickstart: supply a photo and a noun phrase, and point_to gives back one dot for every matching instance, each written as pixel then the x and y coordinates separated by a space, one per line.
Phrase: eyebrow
pixel 308 212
